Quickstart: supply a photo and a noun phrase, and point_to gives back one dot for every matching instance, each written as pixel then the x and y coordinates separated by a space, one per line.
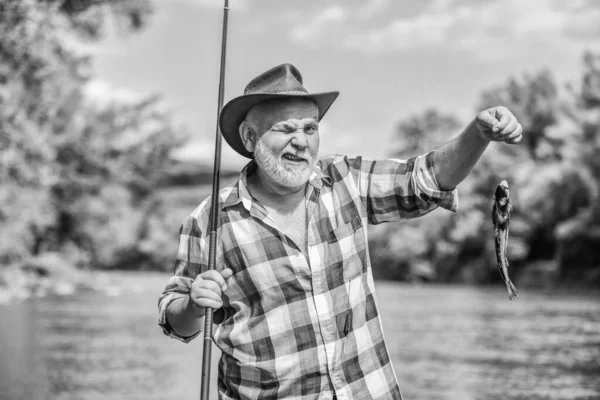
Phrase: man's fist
pixel 499 125
pixel 208 288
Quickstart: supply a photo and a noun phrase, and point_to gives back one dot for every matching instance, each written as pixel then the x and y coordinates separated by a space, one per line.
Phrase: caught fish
pixel 501 218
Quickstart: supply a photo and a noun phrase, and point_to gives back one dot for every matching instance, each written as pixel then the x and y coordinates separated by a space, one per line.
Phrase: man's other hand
pixel 208 288
pixel 498 124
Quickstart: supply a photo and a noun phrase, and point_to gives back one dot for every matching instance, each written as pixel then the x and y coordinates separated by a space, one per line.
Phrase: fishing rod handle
pixel 208 322
pixel 206 355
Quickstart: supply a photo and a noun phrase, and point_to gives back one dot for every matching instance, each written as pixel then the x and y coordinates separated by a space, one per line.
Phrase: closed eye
pixel 284 127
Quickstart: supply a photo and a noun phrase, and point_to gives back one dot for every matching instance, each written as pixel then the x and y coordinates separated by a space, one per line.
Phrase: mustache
pixel 305 154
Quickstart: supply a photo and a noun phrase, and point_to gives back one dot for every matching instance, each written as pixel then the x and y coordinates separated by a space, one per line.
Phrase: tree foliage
pixel 75 175
pixel 423 132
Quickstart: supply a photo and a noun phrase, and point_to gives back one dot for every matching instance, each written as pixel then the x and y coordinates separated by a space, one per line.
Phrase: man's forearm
pixel 184 318
pixel 455 159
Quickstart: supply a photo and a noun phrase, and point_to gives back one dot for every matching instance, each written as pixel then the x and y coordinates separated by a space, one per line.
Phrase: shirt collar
pixel 318 178
pixel 241 194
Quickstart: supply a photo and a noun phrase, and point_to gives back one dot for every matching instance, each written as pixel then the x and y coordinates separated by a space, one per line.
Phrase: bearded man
pixel 293 293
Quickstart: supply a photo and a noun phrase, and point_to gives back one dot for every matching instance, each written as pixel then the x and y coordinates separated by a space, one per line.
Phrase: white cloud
pixel 312 28
pixel 491 29
pixel 372 8
pixel 234 5
pixel 102 93
pixel 199 151
pixel 203 152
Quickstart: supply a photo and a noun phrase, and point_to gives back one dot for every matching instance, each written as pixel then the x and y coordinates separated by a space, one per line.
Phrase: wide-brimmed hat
pixel 283 81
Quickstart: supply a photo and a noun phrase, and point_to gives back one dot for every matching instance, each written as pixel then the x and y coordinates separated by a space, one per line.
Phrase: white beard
pixel 288 175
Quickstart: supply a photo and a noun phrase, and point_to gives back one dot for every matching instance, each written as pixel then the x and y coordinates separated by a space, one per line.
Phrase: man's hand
pixel 498 124
pixel 207 290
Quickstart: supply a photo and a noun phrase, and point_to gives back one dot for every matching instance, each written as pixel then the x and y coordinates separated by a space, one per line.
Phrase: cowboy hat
pixel 283 81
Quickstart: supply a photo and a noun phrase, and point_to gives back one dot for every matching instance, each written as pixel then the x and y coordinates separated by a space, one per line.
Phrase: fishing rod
pixel 214 217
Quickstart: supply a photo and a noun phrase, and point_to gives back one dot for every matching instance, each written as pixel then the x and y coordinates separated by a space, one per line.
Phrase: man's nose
pixel 299 139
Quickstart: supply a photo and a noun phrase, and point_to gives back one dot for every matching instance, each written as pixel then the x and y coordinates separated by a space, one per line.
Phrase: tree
pixel 60 154
pixel 423 132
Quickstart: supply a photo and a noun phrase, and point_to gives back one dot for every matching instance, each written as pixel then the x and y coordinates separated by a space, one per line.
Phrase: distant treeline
pixel 94 181
pixel 554 177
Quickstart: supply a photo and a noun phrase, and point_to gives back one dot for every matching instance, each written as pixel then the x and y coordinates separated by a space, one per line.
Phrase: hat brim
pixel 235 111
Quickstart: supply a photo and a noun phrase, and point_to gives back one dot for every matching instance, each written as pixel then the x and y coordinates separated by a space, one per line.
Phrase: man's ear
pixel 248 136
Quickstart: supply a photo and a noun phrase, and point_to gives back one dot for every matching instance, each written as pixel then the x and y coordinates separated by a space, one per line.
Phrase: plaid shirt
pixel 299 328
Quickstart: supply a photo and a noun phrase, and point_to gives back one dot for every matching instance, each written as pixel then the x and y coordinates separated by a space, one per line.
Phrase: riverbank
pixel 17 284
pixel 53 274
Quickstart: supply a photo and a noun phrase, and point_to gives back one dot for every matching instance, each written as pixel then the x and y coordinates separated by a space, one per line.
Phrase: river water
pixel 446 342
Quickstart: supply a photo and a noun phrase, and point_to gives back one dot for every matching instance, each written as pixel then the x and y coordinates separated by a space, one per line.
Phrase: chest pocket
pixel 346 253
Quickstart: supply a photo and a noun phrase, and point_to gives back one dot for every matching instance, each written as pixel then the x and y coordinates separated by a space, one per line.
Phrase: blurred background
pixel 107 123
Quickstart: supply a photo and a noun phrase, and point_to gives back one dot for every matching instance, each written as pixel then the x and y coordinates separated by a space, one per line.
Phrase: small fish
pixel 501 218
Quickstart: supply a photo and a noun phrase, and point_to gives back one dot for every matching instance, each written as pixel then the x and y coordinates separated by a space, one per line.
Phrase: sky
pixel 389 59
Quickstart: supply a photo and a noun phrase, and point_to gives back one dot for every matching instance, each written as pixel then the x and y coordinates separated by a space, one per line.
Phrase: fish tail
pixel 512 290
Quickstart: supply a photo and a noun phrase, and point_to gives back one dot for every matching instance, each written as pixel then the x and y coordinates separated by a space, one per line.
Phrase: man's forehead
pixel 286 109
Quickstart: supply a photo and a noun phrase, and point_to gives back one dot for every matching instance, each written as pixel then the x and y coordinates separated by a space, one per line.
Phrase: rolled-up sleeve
pixel 192 259
pixel 393 189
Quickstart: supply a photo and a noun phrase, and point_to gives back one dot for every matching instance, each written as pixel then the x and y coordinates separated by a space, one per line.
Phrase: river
pixel 446 342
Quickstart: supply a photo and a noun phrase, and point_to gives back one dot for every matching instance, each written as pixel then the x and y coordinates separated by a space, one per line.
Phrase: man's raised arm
pixel 455 159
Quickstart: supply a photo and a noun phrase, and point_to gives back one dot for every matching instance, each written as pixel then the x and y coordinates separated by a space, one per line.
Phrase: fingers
pixel 487 117
pixel 208 288
pixel 499 124
pixel 206 293
pixel 214 276
pixel 504 118
pixel 510 127
pixel 209 285
pixel 226 273
pixel 512 134
pixel 206 298
pixel 515 140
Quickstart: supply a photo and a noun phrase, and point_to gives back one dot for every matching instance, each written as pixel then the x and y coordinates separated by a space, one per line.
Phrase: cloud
pixel 372 8
pixel 102 93
pixel 311 28
pixel 203 152
pixel 491 29
pixel 238 5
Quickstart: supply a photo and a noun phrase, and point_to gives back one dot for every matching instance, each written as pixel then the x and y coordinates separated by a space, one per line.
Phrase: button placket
pixel 320 288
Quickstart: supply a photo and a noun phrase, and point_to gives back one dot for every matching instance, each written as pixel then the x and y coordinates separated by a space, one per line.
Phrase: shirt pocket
pixel 346 253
